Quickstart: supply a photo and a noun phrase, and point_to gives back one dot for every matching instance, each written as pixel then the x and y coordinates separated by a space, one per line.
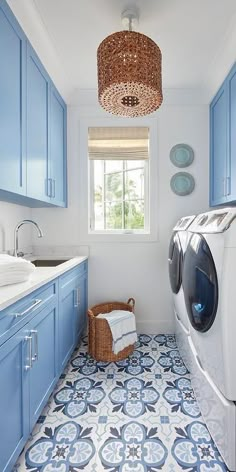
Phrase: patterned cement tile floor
pixel 136 415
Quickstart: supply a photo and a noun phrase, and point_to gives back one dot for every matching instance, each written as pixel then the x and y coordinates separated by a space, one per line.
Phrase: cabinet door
pixel 43 329
pixel 218 148
pixel 67 307
pixel 82 306
pixel 14 399
pixel 12 103
pixel 231 171
pixel 58 149
pixel 37 128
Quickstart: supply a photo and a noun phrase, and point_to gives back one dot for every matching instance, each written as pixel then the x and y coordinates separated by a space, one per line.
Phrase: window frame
pixel 85 121
pixel 146 229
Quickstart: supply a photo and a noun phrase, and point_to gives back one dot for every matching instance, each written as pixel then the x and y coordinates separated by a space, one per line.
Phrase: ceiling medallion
pixel 129 72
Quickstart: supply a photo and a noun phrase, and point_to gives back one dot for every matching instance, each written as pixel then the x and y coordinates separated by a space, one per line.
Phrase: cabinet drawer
pixel 83 267
pixel 16 315
pixel 67 278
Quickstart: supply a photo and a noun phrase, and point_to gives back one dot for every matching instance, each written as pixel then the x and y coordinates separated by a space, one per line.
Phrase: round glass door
pixel 175 261
pixel 200 284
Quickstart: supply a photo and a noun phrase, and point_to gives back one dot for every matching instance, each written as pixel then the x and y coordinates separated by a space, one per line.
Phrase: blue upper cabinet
pixel 231 183
pixel 12 103
pixel 57 182
pixel 32 123
pixel 223 143
pixel 38 86
pixel 218 139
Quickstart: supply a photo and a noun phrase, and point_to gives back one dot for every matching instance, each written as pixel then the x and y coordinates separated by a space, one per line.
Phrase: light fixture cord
pixel 130 23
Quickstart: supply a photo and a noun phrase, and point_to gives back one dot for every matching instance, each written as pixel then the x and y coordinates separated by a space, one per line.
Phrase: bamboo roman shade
pixel 116 143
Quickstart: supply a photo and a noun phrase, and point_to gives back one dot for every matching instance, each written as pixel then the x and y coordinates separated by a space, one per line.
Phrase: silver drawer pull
pixel 54 188
pixel 36 302
pixel 224 187
pixel 49 188
pixel 36 345
pixel 29 366
pixel 228 182
pixel 76 298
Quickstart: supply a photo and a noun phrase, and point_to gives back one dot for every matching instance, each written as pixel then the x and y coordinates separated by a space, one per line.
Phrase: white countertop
pixel 10 294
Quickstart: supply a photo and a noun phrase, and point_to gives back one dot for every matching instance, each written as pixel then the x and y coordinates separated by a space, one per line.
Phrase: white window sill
pixel 121 237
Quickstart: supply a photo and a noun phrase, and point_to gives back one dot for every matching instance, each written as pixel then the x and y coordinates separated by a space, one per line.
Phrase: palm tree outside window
pixel 119 164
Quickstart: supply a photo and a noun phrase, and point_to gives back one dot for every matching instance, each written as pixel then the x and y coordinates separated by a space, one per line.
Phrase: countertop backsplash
pixel 68 251
pixel 27 250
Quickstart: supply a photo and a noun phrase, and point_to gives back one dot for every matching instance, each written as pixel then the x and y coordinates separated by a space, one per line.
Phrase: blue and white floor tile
pixel 136 415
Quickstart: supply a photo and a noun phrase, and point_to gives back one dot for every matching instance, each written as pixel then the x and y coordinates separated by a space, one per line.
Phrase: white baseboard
pixel 155 327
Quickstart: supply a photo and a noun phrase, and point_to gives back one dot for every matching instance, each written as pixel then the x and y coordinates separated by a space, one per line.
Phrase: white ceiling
pixel 190 34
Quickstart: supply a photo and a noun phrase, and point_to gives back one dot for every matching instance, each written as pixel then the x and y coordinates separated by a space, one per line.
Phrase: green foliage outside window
pixel 123 199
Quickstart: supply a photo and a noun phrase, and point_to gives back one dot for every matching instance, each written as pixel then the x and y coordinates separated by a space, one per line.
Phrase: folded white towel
pixel 14 270
pixel 123 328
pixel 7 260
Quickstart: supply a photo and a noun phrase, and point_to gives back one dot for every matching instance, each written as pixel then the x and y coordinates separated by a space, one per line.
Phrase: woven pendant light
pixel 129 73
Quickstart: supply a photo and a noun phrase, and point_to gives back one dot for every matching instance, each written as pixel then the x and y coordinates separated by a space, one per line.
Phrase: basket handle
pixel 131 301
pixel 90 314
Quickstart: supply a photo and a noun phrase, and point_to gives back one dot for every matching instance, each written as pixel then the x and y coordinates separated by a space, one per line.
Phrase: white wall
pixel 221 62
pixel 121 270
pixel 10 215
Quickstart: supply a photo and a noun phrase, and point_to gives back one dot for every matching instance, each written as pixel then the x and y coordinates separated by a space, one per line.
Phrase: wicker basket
pixel 99 333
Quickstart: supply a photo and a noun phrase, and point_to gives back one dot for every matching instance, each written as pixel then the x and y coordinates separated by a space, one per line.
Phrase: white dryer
pixel 177 247
pixel 209 277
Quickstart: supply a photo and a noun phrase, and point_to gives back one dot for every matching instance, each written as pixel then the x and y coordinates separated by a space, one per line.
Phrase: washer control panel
pixel 184 223
pixel 216 221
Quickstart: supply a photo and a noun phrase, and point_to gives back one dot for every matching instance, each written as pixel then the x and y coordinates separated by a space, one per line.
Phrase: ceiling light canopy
pixel 129 72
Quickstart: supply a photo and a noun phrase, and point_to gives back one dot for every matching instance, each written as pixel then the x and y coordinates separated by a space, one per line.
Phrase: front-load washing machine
pixel 209 276
pixel 177 247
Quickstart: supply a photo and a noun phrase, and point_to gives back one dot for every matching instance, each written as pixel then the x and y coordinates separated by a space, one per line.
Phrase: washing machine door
pixel 175 261
pixel 200 284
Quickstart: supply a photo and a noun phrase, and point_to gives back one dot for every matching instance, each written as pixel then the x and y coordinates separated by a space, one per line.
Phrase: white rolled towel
pixel 14 270
pixel 123 328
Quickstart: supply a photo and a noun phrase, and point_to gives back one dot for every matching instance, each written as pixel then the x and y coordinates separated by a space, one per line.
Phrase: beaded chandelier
pixel 129 73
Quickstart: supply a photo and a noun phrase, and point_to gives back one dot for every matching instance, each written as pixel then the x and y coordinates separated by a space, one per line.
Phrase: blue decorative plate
pixel 181 155
pixel 182 183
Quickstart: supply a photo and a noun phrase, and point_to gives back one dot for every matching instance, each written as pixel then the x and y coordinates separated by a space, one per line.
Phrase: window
pixel 119 196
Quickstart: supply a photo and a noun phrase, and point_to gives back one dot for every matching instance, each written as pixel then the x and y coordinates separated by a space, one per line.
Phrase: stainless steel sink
pixel 48 262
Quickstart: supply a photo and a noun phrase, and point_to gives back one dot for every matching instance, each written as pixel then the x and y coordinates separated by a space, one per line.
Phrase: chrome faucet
pixel 16 252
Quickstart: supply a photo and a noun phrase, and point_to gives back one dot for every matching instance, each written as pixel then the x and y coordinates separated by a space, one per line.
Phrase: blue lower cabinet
pixel 14 398
pixel 31 359
pixel 67 311
pixel 72 310
pixel 81 311
pixel 43 374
